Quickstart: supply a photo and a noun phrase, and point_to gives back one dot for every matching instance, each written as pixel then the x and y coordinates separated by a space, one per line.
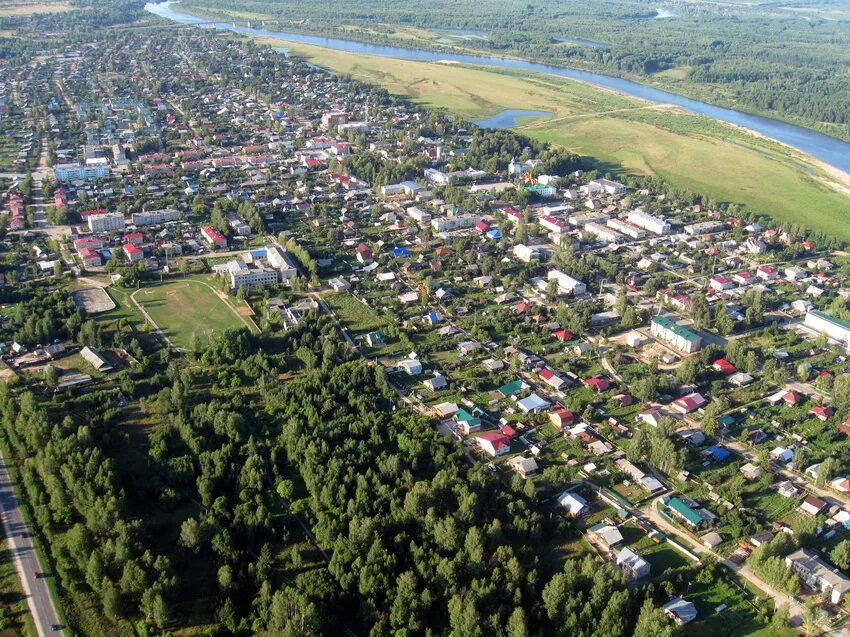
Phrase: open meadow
pixel 23 8
pixel 621 133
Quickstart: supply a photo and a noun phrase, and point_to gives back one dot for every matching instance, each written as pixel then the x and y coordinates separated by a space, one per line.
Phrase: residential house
pixel 751 471
pixel 494 443
pixel 812 505
pixel 573 503
pixel 680 611
pixel 632 564
pixel 523 466
pixel 687 404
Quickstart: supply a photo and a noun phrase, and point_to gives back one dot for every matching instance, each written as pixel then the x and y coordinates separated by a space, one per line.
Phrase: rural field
pixel 187 308
pixel 22 8
pixel 619 132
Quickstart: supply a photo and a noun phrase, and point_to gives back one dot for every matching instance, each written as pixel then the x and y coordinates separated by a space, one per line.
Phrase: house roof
pixel 495 438
pixel 684 510
pixel 509 389
pixel 683 610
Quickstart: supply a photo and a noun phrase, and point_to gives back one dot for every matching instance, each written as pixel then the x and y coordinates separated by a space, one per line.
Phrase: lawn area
pixel 620 133
pixel 662 557
pixel 354 315
pixel 185 308
pixel 737 619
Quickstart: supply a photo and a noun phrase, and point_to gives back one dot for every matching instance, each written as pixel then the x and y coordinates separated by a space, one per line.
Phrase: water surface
pixel 508 118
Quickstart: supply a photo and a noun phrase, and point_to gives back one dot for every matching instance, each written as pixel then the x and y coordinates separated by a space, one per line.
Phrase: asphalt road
pixel 26 560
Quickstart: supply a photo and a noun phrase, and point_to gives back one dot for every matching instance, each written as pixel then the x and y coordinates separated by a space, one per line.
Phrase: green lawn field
pixel 622 134
pixel 186 308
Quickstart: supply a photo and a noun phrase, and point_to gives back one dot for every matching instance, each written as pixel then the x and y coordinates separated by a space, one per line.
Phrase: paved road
pixel 26 559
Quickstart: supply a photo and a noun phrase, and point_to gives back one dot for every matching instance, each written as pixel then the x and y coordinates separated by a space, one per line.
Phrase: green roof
pixel 835 321
pixel 684 510
pixel 511 388
pixel 678 330
pixel 464 416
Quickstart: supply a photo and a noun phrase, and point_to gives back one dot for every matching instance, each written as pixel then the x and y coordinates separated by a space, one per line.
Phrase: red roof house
pixel 724 367
pixel 822 412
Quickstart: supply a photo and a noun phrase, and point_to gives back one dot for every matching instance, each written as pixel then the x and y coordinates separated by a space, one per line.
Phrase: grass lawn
pixel 621 133
pixel 663 557
pixel 737 619
pixel 354 315
pixel 184 308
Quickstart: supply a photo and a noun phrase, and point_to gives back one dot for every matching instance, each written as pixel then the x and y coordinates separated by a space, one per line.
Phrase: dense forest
pixel 771 59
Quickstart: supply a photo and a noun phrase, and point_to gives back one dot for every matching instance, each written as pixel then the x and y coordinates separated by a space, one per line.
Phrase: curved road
pixel 26 560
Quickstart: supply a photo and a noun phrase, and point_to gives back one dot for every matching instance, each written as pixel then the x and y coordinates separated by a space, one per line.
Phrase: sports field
pixel 184 309
pixel 621 133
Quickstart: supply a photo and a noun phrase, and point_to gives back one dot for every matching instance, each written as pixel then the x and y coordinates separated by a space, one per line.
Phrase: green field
pixel 187 308
pixel 620 133
pixel 354 315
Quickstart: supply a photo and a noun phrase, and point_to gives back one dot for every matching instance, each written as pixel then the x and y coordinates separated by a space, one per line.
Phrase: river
pixel 828 149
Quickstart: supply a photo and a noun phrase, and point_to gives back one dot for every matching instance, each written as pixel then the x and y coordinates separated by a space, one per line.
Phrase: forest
pixel 767 59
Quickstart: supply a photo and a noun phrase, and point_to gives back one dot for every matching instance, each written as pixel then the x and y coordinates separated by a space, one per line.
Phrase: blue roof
pixel 719 453
pixel 401 252
pixel 495 234
pixel 434 316
pixel 259 253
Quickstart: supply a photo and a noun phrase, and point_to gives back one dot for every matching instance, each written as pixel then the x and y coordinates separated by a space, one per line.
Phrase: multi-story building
pixel 553 224
pixel 648 222
pixel 282 261
pixel 89 257
pixel 255 276
pixel 566 283
pixel 154 217
pixel 106 222
pixel 626 228
pixel 676 335
pixel 817 574
pixel 214 237
pixel 133 252
pixel 69 172
pixel 604 233
pixel 447 224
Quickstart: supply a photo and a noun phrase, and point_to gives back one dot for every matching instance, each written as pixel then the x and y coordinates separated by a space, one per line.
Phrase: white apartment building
pixel 154 217
pixel 626 228
pixel 447 224
pixel 527 254
pixel 648 222
pixel 107 222
pixel 604 233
